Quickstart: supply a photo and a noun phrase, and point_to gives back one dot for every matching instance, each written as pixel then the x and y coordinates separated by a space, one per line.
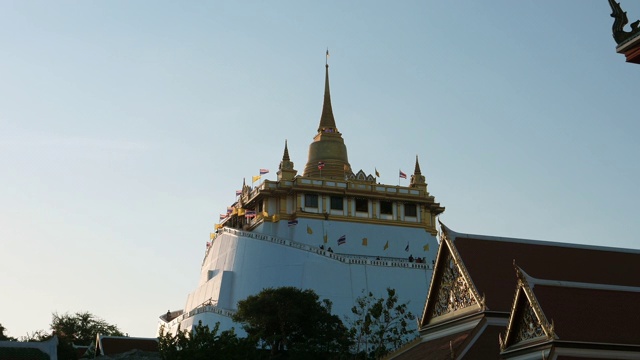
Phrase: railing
pixel 344 258
pixel 207 306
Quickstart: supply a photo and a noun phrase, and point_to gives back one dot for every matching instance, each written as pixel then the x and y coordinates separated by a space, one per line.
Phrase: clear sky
pixel 127 126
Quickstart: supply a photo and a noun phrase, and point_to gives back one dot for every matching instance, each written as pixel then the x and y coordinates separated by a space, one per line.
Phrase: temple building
pixel 504 298
pixel 628 42
pixel 332 229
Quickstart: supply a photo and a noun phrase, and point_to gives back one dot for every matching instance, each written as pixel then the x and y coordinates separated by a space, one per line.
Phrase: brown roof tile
pixel 436 349
pixel 489 261
pixel 112 345
pixel 591 315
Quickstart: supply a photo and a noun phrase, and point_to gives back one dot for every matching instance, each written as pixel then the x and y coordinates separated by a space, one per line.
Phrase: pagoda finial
pixel 417 179
pixel 327 121
pixel 286 170
pixel 417 170
pixel 285 156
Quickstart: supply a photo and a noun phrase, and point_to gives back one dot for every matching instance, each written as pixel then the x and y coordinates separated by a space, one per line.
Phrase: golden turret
pixel 286 170
pixel 327 153
pixel 417 179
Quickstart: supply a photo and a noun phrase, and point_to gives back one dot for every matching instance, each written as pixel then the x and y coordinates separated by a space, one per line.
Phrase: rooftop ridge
pixel 533 281
pixel 455 235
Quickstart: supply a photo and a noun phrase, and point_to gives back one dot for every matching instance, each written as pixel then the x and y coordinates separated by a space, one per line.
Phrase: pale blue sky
pixel 126 127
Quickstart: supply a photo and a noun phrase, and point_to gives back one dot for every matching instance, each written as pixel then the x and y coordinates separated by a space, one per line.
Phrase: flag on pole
pixel 223 216
pixel 320 165
pixel 402 175
pixel 426 247
pixel 325 238
pixel 229 209
pixel 309 231
pixel 292 223
pixel 250 214
pixel 377 173
pixel 264 171
pixel 238 192
pixel 386 246
pixel 257 177
pixel 407 248
pixel 365 241
pixel 342 240
pixel 211 236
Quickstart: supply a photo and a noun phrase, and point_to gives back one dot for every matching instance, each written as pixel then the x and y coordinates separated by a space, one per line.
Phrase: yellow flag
pixel 255 178
pixel 386 246
pixel 211 235
pixel 426 247
pixel 325 238
pixel 377 173
pixel 365 241
pixel 309 231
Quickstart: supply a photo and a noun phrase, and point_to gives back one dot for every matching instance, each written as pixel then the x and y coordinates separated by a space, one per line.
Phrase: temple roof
pixel 489 261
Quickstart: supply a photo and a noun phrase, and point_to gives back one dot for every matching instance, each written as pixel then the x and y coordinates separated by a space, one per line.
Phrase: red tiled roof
pixel 487 346
pixel 436 349
pixel 112 345
pixel 591 315
pixel 489 261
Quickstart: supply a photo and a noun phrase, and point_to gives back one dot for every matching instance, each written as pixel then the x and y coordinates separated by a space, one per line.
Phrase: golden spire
pixel 327 120
pixel 285 156
pixel 286 170
pixel 417 179
pixel 327 153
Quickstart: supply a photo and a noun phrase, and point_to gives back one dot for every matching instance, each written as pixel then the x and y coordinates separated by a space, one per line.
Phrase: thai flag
pixel 402 175
pixel 264 171
pixel 250 214
pixel 342 240
pixel 238 192
pixel 320 165
pixel 229 209
pixel 292 222
pixel 223 216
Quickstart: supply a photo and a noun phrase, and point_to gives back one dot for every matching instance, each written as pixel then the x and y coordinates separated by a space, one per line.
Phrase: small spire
pixel 327 121
pixel 417 170
pixel 285 157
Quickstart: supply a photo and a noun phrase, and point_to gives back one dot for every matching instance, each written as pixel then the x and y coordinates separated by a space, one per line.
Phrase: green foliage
pixel 4 337
pixel 379 325
pixel 293 323
pixel 81 328
pixel 204 344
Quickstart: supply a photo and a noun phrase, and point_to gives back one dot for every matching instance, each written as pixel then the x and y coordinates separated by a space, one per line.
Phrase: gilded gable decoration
pixel 451 286
pixel 527 321
pixel 454 292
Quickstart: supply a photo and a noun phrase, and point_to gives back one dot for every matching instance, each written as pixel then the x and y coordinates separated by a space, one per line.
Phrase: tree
pixel 379 325
pixel 205 344
pixel 81 328
pixel 294 322
pixel 4 337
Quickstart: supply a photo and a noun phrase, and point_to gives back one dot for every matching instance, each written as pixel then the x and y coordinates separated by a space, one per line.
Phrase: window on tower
pixel 410 210
pixel 386 207
pixel 362 205
pixel 337 203
pixel 311 200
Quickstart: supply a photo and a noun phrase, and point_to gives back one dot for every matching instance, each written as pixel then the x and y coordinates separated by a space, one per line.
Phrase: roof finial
pixel 285 157
pixel 417 170
pixel 326 61
pixel 327 121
